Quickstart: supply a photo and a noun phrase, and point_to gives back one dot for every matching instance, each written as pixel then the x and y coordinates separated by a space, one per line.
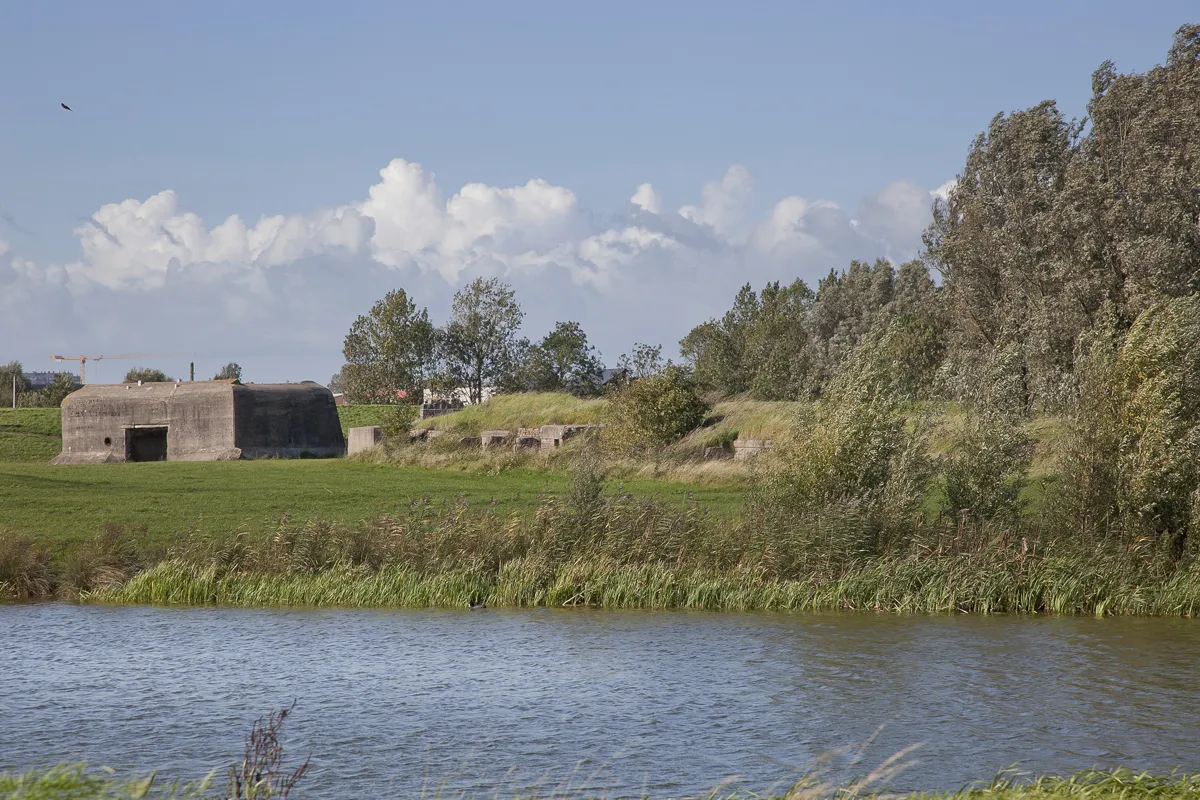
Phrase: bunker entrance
pixel 145 444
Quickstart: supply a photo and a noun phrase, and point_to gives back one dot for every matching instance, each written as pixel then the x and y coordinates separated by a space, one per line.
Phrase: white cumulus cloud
pixel 293 283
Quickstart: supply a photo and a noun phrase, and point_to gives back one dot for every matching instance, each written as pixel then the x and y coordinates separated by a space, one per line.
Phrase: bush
pixel 989 456
pixel 396 421
pixel 1132 460
pixel 1158 372
pixel 851 475
pixel 654 411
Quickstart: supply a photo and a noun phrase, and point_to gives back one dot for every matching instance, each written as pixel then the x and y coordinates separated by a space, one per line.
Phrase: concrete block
pixel 554 435
pixel 494 438
pixel 364 438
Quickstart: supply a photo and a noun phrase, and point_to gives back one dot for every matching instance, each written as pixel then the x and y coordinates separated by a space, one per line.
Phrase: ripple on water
pixel 631 702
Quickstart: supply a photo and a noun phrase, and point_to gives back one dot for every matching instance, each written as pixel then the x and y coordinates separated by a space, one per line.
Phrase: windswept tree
pixel 388 350
pixel 479 344
pixel 146 375
pixel 562 361
pixel 230 372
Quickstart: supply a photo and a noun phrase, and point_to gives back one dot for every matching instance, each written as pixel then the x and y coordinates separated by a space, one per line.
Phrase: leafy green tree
pixel 230 372
pixel 8 372
pixel 759 346
pixel 562 361
pixel 479 344
pixel 388 350
pixel 146 375
pixel 645 361
pixel 53 395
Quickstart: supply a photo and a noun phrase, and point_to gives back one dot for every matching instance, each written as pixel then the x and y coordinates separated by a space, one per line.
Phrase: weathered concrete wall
pixel 203 421
pixel 494 438
pixel 198 418
pixel 363 438
pixel 286 420
pixel 554 435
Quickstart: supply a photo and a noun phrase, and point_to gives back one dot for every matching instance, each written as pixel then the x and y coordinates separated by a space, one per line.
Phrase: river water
pixel 661 704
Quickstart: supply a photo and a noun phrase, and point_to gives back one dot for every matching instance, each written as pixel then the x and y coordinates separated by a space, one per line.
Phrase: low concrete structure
pixel 554 435
pixel 201 421
pixel 364 438
pixel 495 438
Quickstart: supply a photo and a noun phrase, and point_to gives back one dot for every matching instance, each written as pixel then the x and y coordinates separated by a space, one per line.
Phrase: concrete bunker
pixel 200 421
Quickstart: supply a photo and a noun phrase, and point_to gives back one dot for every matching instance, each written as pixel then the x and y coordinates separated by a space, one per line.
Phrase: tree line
pixel 393 353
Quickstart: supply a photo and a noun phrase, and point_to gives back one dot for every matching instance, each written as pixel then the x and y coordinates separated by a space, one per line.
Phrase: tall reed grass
pixel 591 550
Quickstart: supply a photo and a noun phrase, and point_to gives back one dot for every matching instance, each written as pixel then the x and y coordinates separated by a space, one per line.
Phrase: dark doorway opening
pixel 146 444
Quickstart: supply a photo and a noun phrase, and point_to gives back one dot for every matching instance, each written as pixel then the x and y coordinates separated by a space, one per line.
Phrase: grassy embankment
pixel 80 783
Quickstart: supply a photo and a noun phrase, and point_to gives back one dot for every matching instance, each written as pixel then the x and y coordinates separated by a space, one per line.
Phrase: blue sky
pixel 292 109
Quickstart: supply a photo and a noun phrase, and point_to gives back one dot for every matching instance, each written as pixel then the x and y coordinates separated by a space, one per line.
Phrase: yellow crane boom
pixel 84 359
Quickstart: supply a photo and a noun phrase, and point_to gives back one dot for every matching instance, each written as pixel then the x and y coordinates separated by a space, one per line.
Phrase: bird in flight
pixel 64 105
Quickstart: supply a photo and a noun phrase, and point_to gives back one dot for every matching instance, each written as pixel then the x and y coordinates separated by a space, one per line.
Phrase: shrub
pixel 850 475
pixel 989 456
pixel 396 421
pixel 655 410
pixel 1158 373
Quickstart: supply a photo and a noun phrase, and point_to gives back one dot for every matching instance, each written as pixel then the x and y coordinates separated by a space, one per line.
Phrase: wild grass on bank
pixel 626 553
pixel 77 782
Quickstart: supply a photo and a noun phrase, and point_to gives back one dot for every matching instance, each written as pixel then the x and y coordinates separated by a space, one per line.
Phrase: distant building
pixel 200 421
pixel 461 395
pixel 40 380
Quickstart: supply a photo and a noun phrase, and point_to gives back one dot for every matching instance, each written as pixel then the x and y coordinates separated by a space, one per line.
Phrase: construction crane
pixel 84 359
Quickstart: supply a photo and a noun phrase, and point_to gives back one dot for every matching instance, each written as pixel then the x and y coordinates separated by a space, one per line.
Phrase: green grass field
pixel 30 434
pixel 73 503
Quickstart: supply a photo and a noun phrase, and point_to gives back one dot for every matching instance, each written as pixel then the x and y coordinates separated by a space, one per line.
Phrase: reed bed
pixel 590 550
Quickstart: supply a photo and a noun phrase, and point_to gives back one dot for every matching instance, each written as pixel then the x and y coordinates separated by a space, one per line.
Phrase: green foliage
pixel 396 421
pixel 479 344
pixel 77 782
pixel 146 375
pixel 759 346
pixel 989 455
pixel 230 372
pixel 853 464
pixel 1053 227
pixel 53 395
pixel 654 411
pixel 387 351
pixel 787 343
pixel 1158 373
pixel 1087 497
pixel 645 360
pixel 562 362
pixel 9 372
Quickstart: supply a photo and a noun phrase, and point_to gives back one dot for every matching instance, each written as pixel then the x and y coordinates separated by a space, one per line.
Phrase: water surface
pixel 665 704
